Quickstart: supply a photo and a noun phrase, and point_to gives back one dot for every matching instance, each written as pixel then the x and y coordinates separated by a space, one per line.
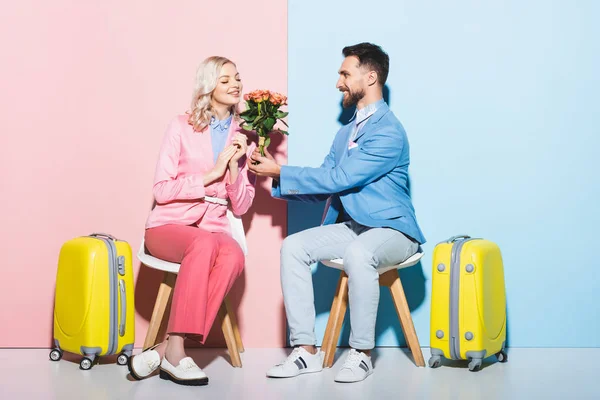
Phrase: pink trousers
pixel 210 264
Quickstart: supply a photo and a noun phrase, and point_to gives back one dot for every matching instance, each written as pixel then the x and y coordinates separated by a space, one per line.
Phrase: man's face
pixel 352 81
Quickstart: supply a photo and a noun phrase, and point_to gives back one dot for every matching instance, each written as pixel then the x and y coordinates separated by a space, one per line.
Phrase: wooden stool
pixel 387 277
pixel 162 307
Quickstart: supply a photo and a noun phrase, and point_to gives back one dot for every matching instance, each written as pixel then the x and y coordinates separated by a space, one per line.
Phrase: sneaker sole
pixel 302 372
pixel 360 380
pixel 186 382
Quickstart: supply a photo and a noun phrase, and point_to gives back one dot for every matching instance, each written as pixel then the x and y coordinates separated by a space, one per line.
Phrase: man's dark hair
pixel 371 56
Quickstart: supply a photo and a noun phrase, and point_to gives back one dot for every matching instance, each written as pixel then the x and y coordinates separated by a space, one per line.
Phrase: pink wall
pixel 86 93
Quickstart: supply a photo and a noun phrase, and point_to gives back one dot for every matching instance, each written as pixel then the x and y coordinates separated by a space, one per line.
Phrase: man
pixel 370 221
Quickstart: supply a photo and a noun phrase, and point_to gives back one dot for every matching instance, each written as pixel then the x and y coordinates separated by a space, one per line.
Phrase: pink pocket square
pixel 352 145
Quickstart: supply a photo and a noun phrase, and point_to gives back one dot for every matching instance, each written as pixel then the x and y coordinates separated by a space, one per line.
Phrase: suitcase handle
pixel 107 235
pixel 454 238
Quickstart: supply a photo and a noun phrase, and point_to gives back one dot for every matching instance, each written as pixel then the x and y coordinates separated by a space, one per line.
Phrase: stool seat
pixel 156 263
pixel 338 263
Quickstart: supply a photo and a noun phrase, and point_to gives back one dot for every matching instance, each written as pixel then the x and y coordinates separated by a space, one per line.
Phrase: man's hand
pixel 267 167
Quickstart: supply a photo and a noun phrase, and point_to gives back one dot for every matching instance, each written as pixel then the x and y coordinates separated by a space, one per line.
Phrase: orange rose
pixel 278 99
pixel 258 96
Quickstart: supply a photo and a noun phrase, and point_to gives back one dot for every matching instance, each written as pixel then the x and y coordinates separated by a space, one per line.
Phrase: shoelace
pixel 292 357
pixel 353 359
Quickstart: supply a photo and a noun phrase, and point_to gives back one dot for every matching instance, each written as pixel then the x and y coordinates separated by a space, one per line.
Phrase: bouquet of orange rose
pixel 262 113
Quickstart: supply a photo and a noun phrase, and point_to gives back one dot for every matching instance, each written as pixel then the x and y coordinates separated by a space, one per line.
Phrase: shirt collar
pixel 220 125
pixel 365 112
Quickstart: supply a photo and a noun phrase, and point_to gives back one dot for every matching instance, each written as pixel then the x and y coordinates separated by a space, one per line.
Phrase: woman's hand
pixel 221 165
pixel 224 159
pixel 240 141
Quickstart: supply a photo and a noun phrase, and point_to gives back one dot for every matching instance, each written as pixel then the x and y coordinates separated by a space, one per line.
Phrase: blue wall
pixel 501 104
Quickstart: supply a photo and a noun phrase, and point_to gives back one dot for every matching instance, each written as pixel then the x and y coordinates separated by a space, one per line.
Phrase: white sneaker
pixel 144 364
pixel 186 373
pixel 356 367
pixel 298 362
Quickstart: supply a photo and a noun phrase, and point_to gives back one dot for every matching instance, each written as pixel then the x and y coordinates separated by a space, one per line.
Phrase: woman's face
pixel 229 86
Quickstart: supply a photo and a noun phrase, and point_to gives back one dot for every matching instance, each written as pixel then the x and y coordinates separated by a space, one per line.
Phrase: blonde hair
pixel 207 76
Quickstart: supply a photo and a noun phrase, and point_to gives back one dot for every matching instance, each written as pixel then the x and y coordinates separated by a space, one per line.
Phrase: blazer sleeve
pixel 377 156
pixel 328 163
pixel 168 186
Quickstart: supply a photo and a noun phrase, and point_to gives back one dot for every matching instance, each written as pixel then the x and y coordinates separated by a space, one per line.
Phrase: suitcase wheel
pixel 56 354
pixel 123 359
pixel 86 363
pixel 435 361
pixel 502 356
pixel 475 364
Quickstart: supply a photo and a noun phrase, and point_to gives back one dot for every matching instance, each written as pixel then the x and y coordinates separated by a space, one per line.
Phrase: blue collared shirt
pixel 218 134
pixel 362 115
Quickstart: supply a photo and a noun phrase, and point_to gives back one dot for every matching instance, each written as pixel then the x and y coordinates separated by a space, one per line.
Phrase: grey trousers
pixel 363 250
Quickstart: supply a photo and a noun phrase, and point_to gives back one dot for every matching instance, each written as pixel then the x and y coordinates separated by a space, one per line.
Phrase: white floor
pixel 529 374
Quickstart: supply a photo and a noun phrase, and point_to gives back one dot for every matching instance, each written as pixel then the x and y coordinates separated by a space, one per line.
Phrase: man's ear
pixel 372 78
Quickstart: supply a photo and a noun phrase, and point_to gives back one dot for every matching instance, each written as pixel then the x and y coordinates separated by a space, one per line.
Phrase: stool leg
pixel 160 314
pixel 328 329
pixel 392 280
pixel 234 324
pixel 336 316
pixel 229 334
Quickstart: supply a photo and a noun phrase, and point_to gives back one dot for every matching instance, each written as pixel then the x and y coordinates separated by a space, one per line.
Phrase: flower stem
pixel 261 145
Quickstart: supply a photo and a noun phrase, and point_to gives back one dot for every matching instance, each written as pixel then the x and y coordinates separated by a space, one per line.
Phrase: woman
pixel 202 164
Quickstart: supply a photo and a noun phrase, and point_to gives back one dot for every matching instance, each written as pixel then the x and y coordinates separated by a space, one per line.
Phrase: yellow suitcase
pixel 93 303
pixel 468 302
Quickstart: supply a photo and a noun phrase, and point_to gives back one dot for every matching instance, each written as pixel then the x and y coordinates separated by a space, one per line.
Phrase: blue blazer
pixel 369 180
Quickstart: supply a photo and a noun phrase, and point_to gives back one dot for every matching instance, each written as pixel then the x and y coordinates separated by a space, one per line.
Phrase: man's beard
pixel 353 98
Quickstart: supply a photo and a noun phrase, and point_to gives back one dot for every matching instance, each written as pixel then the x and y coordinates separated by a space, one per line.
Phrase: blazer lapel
pixel 233 129
pixel 202 143
pixel 343 146
pixel 373 119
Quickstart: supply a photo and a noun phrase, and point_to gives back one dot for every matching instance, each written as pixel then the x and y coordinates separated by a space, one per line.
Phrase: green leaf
pixel 267 142
pixel 258 120
pixel 247 117
pixel 283 132
pixel 283 122
pixel 269 123
pixel 248 112
pixel 281 114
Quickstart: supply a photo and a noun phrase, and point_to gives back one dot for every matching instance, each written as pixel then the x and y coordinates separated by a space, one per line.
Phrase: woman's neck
pixel 221 111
